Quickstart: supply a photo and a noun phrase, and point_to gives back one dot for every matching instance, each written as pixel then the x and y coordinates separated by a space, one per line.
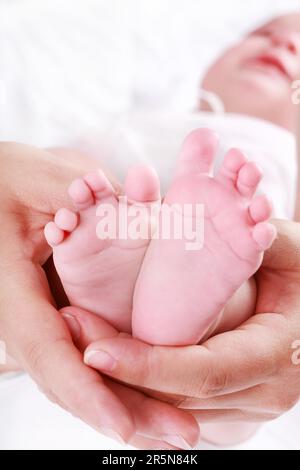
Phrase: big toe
pixel 142 184
pixel 197 153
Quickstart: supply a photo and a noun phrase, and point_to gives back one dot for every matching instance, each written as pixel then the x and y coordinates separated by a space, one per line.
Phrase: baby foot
pixel 99 272
pixel 180 293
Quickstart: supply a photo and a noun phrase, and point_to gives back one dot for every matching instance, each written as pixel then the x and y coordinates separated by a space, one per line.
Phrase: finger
pixel 158 420
pixel 229 401
pixel 86 327
pixel 251 399
pixel 38 339
pixel 268 400
pixel 226 363
pixel 153 418
pixel 232 415
pixel 227 433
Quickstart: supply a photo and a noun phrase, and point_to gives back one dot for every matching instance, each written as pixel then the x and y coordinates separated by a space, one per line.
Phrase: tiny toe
pixel 233 162
pixel 260 209
pixel 264 234
pixel 53 234
pixel 81 194
pixel 248 179
pixel 66 220
pixel 99 184
pixel 197 153
pixel 142 184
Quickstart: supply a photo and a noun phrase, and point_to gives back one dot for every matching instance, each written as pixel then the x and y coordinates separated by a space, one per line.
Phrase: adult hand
pixel 158 423
pixel 249 374
pixel 33 186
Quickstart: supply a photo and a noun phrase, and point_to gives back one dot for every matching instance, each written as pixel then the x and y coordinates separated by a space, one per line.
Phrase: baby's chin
pixel 267 86
pixel 251 93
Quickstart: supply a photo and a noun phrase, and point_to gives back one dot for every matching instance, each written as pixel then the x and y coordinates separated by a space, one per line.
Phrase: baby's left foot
pixel 99 273
pixel 180 293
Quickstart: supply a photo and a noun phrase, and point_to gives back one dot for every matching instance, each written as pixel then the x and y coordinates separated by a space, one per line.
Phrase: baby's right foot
pixel 180 293
pixel 99 275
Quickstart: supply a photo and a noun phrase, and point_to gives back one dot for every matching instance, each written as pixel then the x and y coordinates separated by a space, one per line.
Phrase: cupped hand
pixel 249 374
pixel 33 186
pixel 158 424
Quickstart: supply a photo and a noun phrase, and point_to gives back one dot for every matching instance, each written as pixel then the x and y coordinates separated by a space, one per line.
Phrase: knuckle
pixel 190 403
pixel 289 403
pixel 38 354
pixel 34 354
pixel 76 397
pixel 280 404
pixel 212 384
pixel 52 396
pixel 265 417
pixel 180 402
pixel 151 367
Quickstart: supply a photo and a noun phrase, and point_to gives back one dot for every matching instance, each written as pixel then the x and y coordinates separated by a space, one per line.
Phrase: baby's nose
pixel 286 39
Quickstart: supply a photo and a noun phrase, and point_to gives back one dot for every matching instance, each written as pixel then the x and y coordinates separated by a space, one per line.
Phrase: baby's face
pixel 254 77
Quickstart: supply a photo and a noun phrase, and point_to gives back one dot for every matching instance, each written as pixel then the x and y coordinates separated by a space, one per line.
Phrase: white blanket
pixel 155 138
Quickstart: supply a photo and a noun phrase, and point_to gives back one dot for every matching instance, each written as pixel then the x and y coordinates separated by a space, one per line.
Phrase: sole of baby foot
pixel 180 292
pixel 97 268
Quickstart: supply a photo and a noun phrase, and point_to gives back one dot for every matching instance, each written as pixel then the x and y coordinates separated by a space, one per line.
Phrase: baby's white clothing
pixel 155 138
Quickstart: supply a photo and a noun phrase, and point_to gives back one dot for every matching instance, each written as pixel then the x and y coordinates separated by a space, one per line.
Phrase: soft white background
pixel 64 66
pixel 64 63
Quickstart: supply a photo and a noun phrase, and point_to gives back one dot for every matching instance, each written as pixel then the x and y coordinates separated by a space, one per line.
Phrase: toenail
pixel 73 326
pixel 100 360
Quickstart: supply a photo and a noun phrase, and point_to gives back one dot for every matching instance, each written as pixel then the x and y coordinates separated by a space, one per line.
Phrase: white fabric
pixel 64 63
pixel 63 67
pixel 154 138
pixel 30 421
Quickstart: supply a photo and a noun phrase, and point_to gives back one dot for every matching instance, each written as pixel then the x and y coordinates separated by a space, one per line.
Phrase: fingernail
pixel 100 360
pixel 73 326
pixel 112 434
pixel 177 441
